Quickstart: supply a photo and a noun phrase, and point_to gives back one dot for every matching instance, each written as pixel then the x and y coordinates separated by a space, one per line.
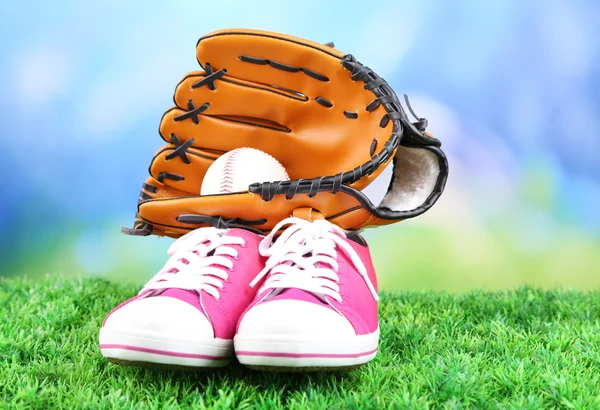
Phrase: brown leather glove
pixel 332 123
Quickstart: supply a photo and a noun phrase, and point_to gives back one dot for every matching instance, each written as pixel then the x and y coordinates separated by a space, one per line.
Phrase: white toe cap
pixel 294 318
pixel 161 314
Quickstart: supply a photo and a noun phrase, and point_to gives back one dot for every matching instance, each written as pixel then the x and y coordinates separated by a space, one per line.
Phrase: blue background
pixel 512 88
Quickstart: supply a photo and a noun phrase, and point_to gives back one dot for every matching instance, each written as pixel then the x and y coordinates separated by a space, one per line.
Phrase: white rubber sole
pixel 142 347
pixel 286 353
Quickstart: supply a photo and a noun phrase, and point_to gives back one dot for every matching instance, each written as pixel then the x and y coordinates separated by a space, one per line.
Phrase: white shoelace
pixel 297 257
pixel 201 272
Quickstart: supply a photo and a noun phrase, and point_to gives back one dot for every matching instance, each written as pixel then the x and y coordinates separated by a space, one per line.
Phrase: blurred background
pixel 512 88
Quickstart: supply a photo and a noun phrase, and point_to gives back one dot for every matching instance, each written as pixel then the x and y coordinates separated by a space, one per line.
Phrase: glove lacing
pixel 193 112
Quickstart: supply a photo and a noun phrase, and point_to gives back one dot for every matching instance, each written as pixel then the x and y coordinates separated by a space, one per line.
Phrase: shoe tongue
pixel 297 294
pixel 247 233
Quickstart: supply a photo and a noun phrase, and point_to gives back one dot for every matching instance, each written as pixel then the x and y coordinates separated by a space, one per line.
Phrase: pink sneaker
pixel 187 313
pixel 317 308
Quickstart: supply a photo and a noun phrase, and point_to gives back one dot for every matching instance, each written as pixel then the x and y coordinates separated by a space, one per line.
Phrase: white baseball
pixel 237 169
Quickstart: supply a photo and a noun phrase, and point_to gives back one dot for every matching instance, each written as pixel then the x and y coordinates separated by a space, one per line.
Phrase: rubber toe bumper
pixel 298 334
pixel 163 331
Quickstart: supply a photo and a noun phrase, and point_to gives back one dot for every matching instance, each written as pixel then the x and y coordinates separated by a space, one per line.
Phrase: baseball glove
pixel 332 123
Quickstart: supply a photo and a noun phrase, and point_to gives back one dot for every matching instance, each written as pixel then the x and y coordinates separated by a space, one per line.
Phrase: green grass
pixel 524 349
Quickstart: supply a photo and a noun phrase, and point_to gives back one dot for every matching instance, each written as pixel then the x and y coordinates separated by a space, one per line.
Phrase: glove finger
pixel 300 156
pixel 230 96
pixel 181 169
pixel 222 134
pixel 277 59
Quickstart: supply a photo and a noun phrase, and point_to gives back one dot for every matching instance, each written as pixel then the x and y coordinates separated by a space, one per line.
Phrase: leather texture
pixel 293 99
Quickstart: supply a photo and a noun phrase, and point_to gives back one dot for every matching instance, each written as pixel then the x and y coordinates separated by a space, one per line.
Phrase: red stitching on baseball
pixel 227 173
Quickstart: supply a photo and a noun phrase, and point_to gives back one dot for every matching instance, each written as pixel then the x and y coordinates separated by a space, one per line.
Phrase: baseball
pixel 237 169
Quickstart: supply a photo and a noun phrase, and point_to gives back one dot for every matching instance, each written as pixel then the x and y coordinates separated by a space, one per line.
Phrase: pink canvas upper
pixel 236 294
pixel 358 304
